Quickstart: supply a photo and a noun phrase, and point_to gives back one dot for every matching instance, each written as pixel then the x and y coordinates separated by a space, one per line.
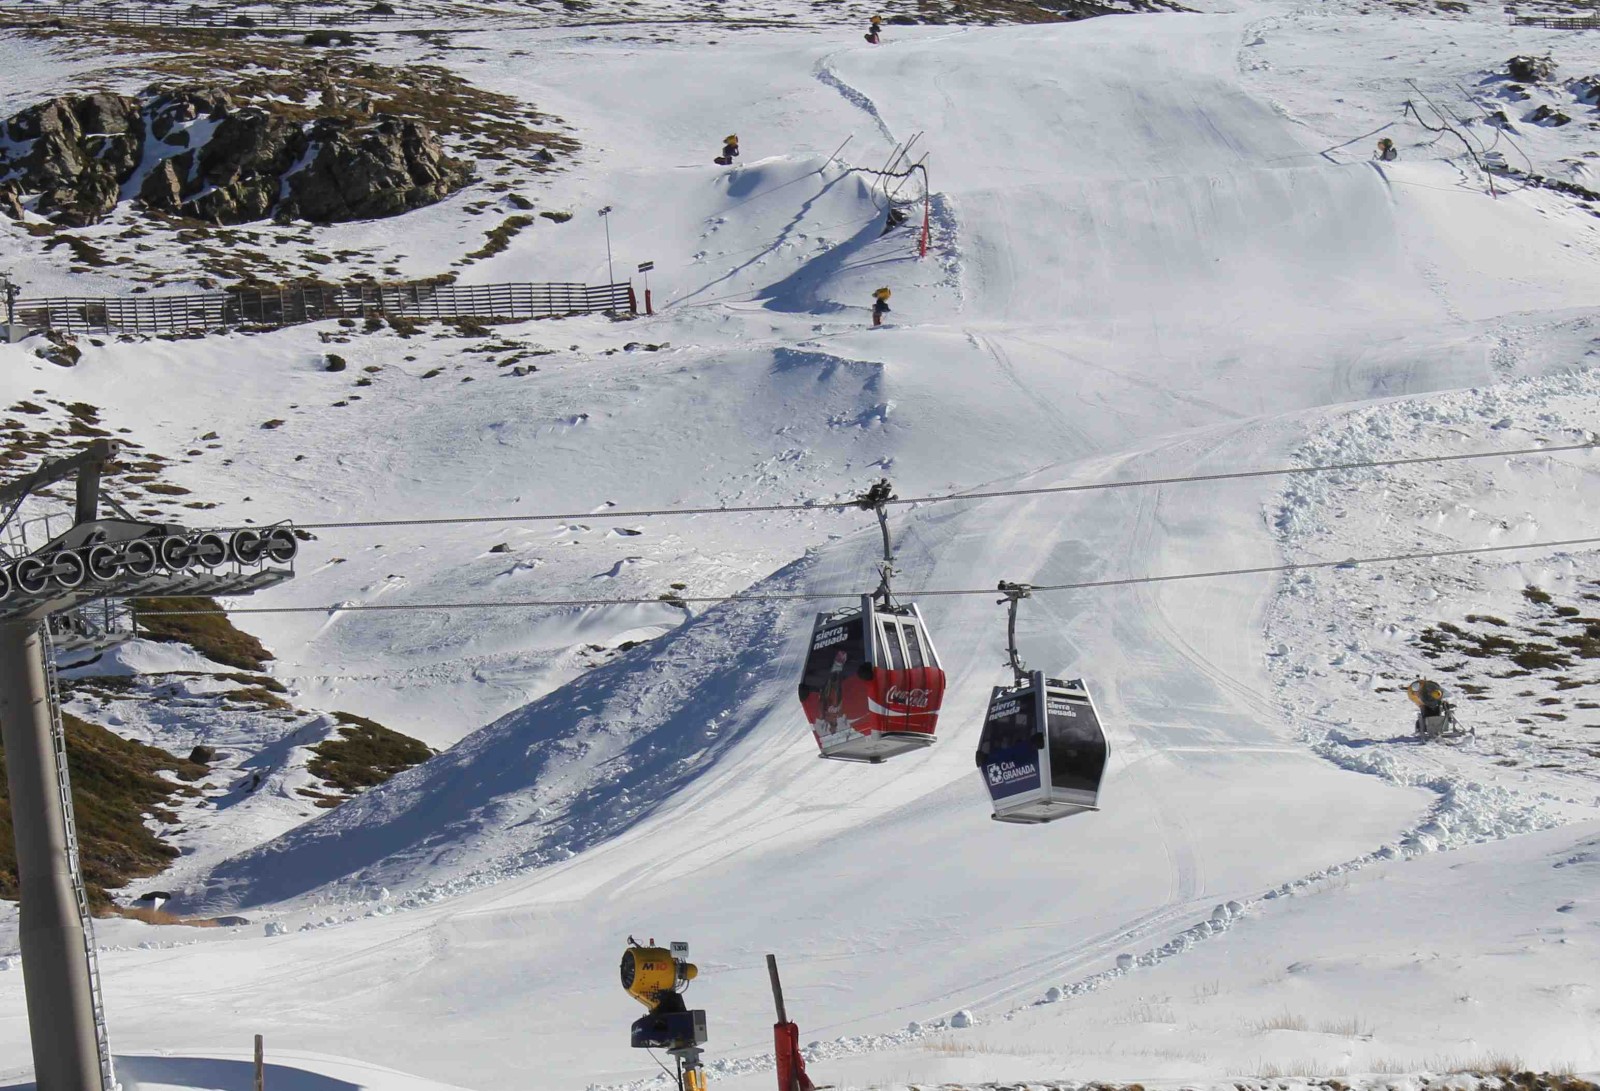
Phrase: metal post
pixel 261 1064
pixel 645 267
pixel 777 989
pixel 605 218
pixel 61 1021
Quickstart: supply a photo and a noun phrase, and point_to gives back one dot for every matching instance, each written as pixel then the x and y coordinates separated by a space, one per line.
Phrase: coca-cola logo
pixel 909 698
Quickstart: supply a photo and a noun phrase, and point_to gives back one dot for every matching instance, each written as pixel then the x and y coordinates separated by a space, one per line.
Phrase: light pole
pixel 605 218
pixel 9 287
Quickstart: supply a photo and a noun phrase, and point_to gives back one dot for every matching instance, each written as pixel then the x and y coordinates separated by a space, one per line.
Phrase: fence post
pixel 261 1067
pixel 633 301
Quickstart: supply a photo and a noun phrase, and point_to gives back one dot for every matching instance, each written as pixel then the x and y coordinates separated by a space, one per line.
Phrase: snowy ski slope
pixel 1142 267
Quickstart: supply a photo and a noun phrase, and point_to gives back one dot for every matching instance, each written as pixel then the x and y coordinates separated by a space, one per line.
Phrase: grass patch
pixel 1284 1020
pixel 498 239
pixel 258 696
pixel 115 782
pixel 363 753
pixel 208 631
pixel 160 916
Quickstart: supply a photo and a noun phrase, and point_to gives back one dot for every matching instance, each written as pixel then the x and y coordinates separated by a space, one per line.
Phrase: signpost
pixel 645 267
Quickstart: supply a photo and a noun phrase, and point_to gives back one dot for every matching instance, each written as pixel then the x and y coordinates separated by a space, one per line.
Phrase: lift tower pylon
pixel 94 559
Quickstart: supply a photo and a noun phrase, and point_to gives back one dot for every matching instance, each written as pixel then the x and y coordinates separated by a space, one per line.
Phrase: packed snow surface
pixel 1142 266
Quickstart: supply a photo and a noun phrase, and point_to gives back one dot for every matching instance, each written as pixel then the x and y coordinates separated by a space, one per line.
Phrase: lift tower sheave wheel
pixel 95 560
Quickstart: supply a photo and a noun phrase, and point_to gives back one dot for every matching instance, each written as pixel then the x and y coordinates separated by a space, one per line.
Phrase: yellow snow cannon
pixel 656 977
pixel 652 973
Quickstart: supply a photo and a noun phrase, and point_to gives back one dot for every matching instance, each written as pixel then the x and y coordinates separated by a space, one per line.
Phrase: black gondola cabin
pixel 1043 751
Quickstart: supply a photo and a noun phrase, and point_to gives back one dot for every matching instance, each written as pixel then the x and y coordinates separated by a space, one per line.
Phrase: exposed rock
pixel 162 187
pixel 358 173
pixel 1546 115
pixel 544 155
pixel 10 203
pixel 1529 69
pixel 59 349
pixel 331 362
pixel 325 38
pixel 76 151
pixel 219 162
pixel 1586 90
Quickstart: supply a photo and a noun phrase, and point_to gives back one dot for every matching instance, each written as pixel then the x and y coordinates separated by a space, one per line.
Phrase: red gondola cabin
pixel 872 685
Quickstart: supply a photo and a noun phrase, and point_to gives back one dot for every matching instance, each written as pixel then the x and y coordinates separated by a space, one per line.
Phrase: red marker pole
pixel 922 246
pixel 645 267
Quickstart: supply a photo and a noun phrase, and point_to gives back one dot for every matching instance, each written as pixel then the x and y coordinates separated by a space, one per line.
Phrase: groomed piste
pixel 1145 261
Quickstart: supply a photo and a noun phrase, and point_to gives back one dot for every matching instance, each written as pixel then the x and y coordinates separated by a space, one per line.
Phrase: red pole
pixel 649 308
pixel 633 301
pixel 922 247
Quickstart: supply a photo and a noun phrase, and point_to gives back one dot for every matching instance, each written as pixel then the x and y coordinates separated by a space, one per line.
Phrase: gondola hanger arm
pixel 1014 593
pixel 877 499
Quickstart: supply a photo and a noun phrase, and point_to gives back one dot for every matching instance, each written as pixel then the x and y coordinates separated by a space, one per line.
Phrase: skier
pixel 730 150
pixel 873 29
pixel 880 305
pixel 1387 152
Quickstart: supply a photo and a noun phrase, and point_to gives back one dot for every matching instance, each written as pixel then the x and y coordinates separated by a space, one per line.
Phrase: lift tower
pixel 95 558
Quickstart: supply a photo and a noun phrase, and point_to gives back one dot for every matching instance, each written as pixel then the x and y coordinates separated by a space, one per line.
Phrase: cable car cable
pixel 816 596
pixel 988 494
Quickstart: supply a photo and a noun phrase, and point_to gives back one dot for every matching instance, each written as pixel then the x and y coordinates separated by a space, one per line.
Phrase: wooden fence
pixel 292 306
pixel 196 16
pixel 1556 22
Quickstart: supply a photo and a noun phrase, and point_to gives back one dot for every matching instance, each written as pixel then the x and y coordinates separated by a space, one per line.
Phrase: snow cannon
pixel 656 977
pixel 650 974
pixel 1436 718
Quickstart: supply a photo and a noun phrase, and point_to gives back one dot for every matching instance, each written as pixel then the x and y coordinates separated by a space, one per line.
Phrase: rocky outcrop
pixel 74 152
pixel 1586 90
pixel 1530 69
pixel 198 153
pixel 364 172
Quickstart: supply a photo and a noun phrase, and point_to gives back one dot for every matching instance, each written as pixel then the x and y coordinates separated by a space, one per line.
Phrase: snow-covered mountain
pixel 1159 248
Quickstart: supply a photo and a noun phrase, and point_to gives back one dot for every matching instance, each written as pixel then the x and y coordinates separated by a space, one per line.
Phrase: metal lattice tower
pixel 93 561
